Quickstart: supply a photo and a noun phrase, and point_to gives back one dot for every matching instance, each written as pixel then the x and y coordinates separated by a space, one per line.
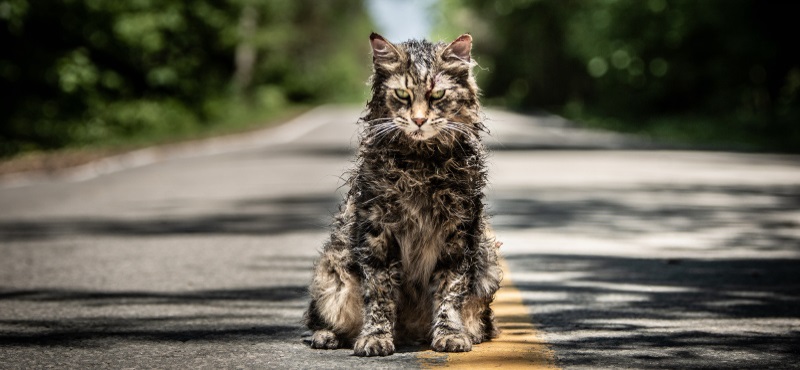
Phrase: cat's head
pixel 422 90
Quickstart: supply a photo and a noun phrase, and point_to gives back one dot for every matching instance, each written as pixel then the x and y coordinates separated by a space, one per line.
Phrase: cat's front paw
pixel 374 345
pixel 454 342
pixel 324 339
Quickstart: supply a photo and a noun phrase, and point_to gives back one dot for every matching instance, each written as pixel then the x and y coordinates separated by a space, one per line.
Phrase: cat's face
pixel 427 89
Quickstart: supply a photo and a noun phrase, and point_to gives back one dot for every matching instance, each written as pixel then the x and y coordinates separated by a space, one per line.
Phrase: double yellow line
pixel 519 346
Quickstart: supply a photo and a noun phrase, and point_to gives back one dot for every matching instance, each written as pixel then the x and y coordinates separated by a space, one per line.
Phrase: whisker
pixel 386 132
pixel 384 124
pixel 458 142
pixel 380 134
pixel 380 124
pixel 461 126
pixel 380 131
pixel 457 128
pixel 383 119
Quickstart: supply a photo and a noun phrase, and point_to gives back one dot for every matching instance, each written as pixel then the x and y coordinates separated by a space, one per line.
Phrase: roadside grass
pixel 728 133
pixel 238 120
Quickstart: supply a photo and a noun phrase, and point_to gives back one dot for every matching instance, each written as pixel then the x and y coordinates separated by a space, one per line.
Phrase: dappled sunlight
pixel 662 313
pixel 627 287
pixel 676 220
pixel 96 318
pixel 655 259
pixel 264 216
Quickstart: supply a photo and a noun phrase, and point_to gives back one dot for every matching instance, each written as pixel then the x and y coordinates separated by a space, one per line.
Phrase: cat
pixel 410 257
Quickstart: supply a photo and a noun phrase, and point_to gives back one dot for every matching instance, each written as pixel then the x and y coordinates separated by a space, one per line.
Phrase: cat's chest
pixel 423 176
pixel 425 194
pixel 413 193
pixel 421 203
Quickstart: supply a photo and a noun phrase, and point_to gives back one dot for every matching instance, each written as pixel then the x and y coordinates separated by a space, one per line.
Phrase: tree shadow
pixel 86 318
pixel 700 307
pixel 263 216
pixel 650 313
pixel 722 217
pixel 225 315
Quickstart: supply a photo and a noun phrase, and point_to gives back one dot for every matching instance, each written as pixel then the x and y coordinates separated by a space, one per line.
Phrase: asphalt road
pixel 626 256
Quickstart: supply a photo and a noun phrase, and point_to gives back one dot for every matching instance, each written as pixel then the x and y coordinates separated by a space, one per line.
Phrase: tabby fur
pixel 410 257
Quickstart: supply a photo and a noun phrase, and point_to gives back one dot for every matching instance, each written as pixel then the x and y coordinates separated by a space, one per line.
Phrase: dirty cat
pixel 410 258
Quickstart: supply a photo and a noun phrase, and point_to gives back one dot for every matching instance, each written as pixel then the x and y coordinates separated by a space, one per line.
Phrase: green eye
pixel 401 93
pixel 437 94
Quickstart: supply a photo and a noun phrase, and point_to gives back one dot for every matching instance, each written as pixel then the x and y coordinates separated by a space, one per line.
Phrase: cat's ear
pixel 382 50
pixel 459 49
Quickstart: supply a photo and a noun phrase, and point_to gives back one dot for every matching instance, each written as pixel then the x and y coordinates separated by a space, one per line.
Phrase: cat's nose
pixel 419 121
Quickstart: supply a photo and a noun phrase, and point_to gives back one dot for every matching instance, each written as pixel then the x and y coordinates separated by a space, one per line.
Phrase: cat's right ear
pixel 459 49
pixel 382 51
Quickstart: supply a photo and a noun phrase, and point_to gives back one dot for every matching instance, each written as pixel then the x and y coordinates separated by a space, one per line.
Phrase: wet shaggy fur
pixel 410 257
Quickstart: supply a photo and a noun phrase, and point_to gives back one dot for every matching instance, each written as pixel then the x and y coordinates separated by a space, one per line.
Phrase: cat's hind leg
pixel 478 320
pixel 335 312
pixel 476 313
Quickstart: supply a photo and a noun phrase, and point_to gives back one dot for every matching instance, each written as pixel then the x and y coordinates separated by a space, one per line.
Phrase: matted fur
pixel 410 257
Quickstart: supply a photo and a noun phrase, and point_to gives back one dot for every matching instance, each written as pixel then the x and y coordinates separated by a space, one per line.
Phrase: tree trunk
pixel 246 56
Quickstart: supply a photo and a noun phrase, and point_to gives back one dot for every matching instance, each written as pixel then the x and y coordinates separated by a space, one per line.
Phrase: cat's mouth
pixel 421 135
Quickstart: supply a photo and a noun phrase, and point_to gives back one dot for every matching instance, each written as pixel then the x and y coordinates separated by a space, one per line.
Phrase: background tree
pixel 723 72
pixel 82 72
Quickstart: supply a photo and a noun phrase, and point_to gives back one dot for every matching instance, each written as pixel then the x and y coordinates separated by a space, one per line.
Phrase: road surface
pixel 624 256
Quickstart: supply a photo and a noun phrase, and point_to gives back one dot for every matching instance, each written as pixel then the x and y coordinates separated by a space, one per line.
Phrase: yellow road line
pixel 519 346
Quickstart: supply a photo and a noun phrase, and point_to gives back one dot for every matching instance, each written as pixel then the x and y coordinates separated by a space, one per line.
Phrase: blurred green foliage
pixel 93 72
pixel 711 72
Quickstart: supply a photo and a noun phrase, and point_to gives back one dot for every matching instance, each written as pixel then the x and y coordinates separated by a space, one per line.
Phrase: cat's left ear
pixel 382 50
pixel 459 49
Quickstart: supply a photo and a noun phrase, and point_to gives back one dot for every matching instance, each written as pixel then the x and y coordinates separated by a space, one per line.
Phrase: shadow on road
pixel 649 313
pixel 86 318
pixel 712 217
pixel 266 216
pixel 683 276
pixel 220 315
pixel 597 310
